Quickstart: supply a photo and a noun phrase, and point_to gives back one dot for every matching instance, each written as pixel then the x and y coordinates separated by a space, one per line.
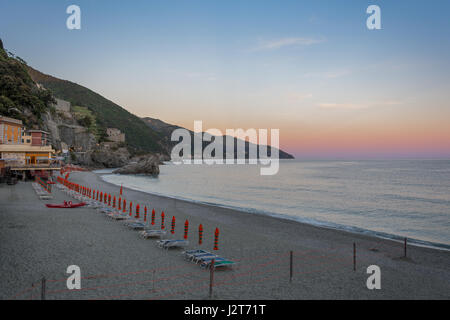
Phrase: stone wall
pixel 62 105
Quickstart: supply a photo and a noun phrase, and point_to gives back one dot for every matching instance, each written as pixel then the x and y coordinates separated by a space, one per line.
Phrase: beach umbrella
pixel 121 190
pixel 200 234
pixel 153 216
pixel 145 214
pixel 124 205
pixel 172 230
pixel 137 211
pixel 114 202
pixel 216 239
pixel 186 229
pixel 162 220
pixel 120 203
pixel 97 195
pixel 109 200
pixel 131 208
pixel 101 196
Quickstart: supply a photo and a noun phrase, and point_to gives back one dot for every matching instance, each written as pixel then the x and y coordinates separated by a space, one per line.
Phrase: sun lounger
pixel 106 210
pixel 129 221
pixel 166 244
pixel 218 263
pixel 191 253
pixel 207 259
pixel 148 233
pixel 115 215
pixel 137 225
pixel 203 256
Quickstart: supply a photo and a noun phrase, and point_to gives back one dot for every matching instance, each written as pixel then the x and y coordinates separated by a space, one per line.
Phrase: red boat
pixel 66 205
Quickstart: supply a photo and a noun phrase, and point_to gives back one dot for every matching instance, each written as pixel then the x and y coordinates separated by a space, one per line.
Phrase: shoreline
pixel 319 224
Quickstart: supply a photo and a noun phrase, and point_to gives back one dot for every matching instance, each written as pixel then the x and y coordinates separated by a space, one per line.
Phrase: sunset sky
pixel 309 68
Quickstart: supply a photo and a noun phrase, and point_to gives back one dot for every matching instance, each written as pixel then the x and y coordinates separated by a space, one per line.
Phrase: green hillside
pixel 20 98
pixel 139 137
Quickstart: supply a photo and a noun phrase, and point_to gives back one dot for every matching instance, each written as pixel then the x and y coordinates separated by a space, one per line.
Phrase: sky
pixel 311 69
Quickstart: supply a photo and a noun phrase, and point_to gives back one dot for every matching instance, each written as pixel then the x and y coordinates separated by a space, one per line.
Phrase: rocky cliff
pixel 148 166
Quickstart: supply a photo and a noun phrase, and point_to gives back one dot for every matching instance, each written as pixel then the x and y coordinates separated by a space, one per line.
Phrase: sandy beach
pixel 116 263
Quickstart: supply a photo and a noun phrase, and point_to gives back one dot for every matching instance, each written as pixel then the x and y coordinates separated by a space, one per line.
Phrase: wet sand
pixel 116 263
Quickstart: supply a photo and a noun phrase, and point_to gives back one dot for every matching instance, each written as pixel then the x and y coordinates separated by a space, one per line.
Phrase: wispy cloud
pixel 348 106
pixel 358 106
pixel 285 42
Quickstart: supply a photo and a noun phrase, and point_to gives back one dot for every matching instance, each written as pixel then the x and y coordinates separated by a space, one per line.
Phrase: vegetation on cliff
pixel 20 98
pixel 139 137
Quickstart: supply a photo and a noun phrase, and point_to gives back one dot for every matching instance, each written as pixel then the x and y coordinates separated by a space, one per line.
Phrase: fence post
pixel 405 246
pixel 291 269
pixel 43 288
pixel 153 289
pixel 354 256
pixel 211 277
pixel 32 290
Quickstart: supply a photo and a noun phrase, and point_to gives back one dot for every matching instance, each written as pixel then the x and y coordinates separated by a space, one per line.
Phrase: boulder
pixel 149 166
pixel 108 158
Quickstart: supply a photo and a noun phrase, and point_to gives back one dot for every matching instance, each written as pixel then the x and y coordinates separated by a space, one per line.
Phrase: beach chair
pixel 206 259
pixel 130 220
pixel 218 263
pixel 148 233
pixel 202 256
pixel 105 210
pixel 137 225
pixel 115 215
pixel 169 243
pixel 189 254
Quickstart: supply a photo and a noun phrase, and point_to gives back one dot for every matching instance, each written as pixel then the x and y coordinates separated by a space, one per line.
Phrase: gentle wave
pixel 359 199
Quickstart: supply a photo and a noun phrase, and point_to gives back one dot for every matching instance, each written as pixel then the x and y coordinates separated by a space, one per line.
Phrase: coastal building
pixel 115 135
pixel 39 137
pixel 11 130
pixel 26 139
pixel 23 150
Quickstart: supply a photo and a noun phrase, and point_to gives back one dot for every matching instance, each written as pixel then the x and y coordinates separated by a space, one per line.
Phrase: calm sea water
pixel 402 198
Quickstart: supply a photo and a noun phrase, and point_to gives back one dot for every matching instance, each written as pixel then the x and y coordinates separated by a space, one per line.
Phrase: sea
pixel 388 199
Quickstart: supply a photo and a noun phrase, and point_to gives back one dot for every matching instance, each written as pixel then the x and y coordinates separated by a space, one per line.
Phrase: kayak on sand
pixel 66 205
